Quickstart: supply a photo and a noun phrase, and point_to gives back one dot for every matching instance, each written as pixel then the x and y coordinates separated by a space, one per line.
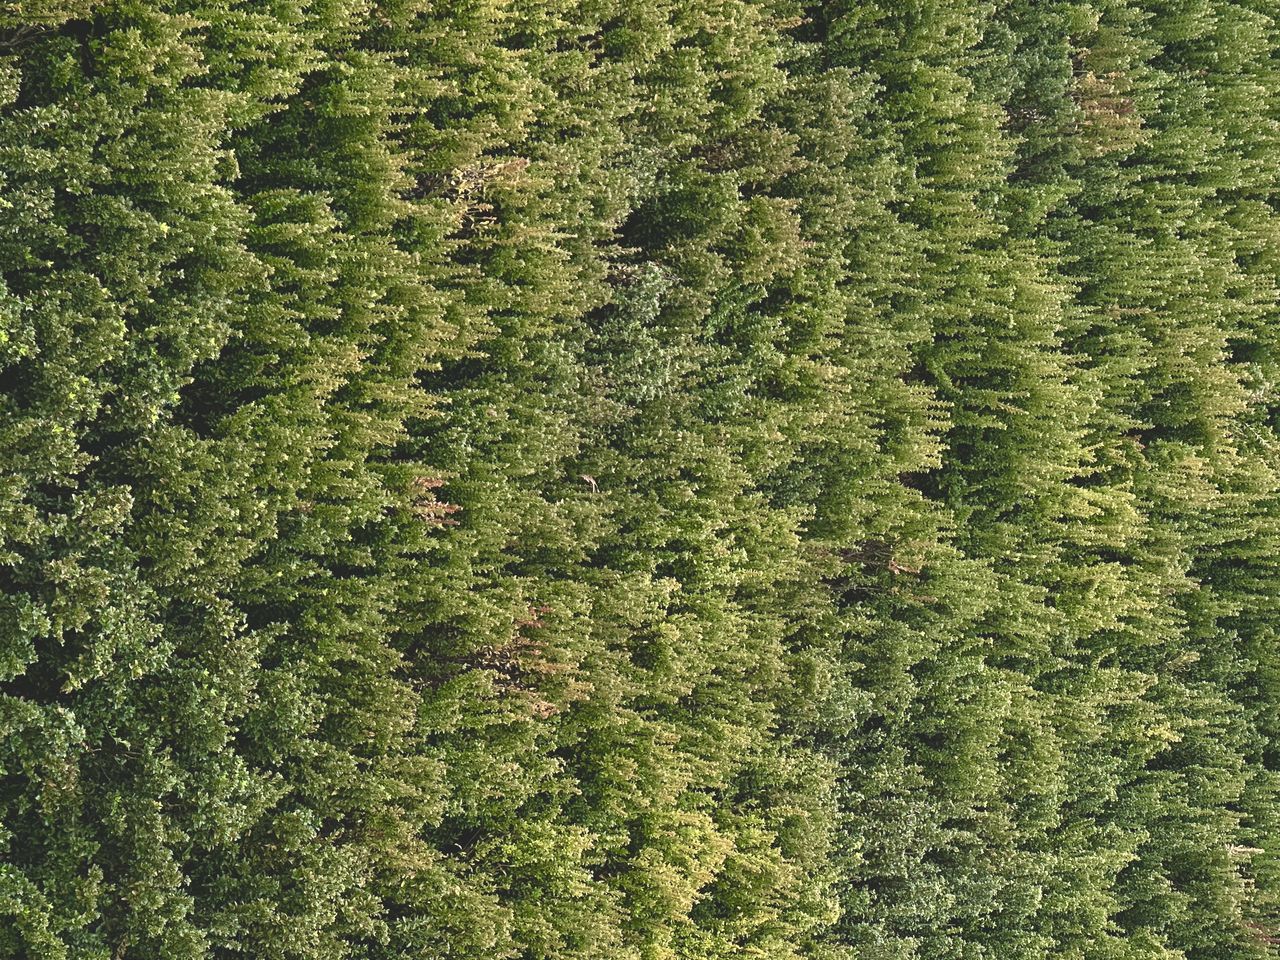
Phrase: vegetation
pixel 620 480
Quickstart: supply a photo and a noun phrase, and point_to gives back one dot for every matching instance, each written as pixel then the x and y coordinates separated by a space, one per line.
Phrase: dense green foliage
pixel 640 479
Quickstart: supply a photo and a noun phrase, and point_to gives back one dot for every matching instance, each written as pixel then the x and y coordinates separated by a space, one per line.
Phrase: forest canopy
pixel 639 479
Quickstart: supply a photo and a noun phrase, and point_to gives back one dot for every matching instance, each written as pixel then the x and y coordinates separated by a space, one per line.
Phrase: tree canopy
pixel 640 479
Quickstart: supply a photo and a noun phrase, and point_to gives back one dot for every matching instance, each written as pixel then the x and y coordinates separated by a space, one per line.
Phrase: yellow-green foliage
pixel 664 480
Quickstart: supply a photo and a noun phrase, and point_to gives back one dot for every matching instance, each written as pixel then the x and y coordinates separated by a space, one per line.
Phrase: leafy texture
pixel 665 480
